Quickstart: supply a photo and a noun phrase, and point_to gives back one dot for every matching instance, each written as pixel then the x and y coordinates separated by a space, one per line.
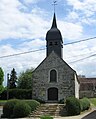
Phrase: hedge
pixel 85 104
pixel 33 104
pixel 62 101
pixel 73 106
pixel 15 108
pixel 8 108
pixel 17 93
pixel 21 109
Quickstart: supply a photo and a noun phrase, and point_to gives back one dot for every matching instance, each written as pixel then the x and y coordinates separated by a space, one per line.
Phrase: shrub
pixel 20 93
pixel 46 117
pixel 2 102
pixel 40 100
pixel 62 101
pixel 73 106
pixel 17 93
pixel 21 109
pixel 33 104
pixel 3 95
pixel 8 108
pixel 85 104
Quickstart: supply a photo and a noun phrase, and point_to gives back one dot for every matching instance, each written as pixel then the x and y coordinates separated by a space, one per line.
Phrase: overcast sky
pixel 23 27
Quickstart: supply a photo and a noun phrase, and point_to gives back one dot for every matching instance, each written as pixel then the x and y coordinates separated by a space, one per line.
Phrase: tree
pixel 1 76
pixel 13 79
pixel 1 80
pixel 25 79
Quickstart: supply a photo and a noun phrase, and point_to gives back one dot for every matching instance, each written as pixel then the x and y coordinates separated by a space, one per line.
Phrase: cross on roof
pixel 54 3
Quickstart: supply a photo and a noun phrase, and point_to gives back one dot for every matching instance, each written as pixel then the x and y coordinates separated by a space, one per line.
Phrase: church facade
pixel 54 79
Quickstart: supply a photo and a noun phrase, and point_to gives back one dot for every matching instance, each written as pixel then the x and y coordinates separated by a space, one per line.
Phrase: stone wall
pixel 65 78
pixel 88 94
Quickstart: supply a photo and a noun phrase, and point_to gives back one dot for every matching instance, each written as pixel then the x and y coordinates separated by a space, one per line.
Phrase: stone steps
pixel 49 109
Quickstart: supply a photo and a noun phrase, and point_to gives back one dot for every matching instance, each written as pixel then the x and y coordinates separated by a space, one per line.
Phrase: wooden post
pixel 7 86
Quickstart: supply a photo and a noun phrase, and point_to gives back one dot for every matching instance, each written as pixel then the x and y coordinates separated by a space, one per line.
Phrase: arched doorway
pixel 52 94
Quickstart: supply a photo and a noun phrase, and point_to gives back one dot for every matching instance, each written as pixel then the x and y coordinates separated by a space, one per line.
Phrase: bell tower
pixel 54 40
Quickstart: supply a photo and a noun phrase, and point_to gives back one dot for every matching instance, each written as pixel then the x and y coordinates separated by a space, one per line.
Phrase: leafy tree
pixel 1 80
pixel 25 79
pixel 1 76
pixel 1 88
pixel 13 79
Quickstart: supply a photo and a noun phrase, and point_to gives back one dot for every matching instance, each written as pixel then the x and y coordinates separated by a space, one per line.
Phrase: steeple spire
pixel 54 40
pixel 54 24
pixel 54 3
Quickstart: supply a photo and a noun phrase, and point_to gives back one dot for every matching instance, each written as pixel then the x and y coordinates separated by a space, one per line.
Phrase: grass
pixel 2 102
pixel 93 101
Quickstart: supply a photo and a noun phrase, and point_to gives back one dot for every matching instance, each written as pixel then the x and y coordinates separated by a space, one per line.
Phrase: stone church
pixel 54 79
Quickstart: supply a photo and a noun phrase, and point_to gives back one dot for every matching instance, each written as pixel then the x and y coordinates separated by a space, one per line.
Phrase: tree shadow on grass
pixel 91 115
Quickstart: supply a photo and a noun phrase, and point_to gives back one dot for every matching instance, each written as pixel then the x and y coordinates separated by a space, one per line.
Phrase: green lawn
pixel 2 102
pixel 93 101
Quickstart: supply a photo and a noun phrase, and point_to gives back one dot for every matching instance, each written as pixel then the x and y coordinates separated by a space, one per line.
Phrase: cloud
pixel 86 10
pixel 16 24
pixel 70 30
pixel 31 1
pixel 75 52
pixel 20 62
pixel 34 44
pixel 83 5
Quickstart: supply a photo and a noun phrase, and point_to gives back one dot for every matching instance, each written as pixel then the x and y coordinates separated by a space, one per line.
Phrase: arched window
pixel 53 76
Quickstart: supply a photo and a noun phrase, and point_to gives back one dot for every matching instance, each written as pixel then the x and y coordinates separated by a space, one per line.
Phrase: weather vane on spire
pixel 54 3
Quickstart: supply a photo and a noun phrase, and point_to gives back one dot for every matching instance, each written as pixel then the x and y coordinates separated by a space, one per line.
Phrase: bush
pixel 17 93
pixel 8 108
pixel 85 104
pixel 2 102
pixel 21 109
pixel 20 93
pixel 3 95
pixel 62 101
pixel 46 117
pixel 33 104
pixel 73 106
pixel 40 100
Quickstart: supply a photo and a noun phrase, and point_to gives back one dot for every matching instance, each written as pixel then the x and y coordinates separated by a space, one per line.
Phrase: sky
pixel 23 28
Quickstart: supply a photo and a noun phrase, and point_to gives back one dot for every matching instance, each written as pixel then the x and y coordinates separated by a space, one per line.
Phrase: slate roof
pixel 87 84
pixel 87 80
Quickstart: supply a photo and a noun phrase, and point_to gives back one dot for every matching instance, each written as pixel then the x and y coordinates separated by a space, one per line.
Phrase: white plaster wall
pixel 77 85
